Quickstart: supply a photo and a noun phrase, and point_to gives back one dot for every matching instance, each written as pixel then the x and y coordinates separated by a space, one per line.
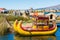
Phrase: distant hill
pixel 52 7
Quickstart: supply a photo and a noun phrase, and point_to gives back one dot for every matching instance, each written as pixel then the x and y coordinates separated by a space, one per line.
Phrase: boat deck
pixel 29 27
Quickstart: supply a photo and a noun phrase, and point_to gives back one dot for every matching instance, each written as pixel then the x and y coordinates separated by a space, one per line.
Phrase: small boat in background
pixel 40 26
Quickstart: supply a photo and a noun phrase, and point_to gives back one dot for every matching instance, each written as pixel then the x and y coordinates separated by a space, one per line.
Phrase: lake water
pixel 13 37
pixel 58 13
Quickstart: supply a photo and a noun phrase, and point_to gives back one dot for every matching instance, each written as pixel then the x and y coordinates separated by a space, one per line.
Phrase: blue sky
pixel 25 4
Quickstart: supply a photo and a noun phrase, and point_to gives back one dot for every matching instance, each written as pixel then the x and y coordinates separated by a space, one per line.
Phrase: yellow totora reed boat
pixel 40 26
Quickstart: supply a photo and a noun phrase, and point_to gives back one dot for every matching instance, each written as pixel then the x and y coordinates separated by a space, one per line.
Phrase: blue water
pixel 7 37
pixel 13 37
pixel 58 13
pixel 58 34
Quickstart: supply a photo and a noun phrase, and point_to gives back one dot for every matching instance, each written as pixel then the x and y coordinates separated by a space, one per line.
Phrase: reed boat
pixel 40 26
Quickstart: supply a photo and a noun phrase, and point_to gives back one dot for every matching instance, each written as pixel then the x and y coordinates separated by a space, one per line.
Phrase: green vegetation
pixel 13 18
